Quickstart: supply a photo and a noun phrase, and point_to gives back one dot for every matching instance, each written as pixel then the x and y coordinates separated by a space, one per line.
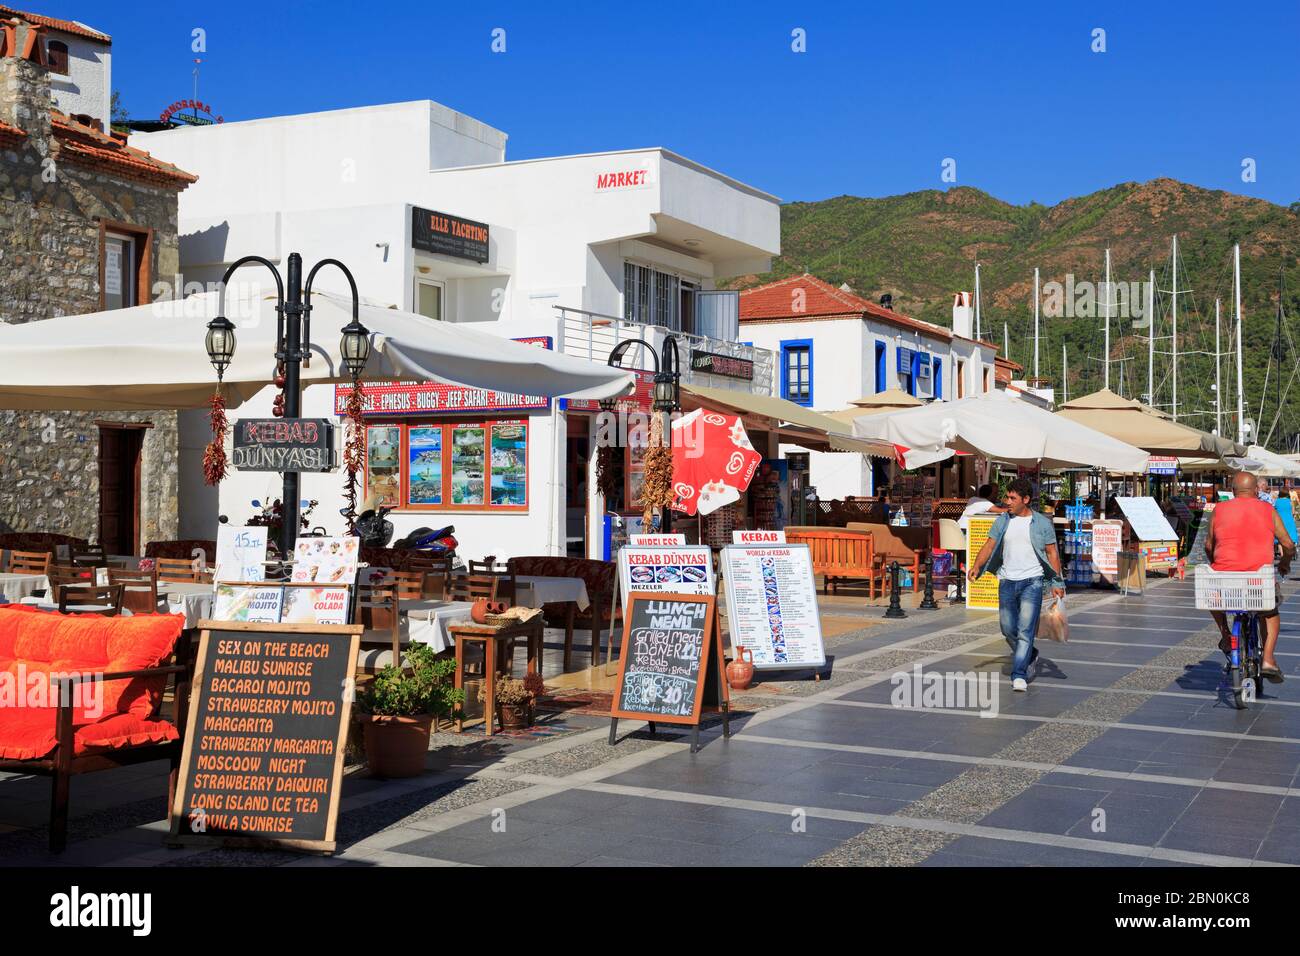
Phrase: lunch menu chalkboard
pixel 268 720
pixel 667 640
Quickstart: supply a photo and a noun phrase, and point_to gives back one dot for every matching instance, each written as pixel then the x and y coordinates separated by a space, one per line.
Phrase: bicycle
pixel 1243 594
pixel 1246 659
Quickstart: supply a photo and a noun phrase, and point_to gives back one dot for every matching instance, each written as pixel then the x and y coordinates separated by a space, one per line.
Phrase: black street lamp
pixel 292 352
pixel 667 396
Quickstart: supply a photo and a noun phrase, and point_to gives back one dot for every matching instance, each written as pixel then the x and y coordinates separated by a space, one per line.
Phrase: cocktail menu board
pixel 262 762
pixel 772 605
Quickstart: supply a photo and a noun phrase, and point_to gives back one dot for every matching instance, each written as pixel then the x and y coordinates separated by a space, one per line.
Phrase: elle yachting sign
pixel 284 444
pixel 448 235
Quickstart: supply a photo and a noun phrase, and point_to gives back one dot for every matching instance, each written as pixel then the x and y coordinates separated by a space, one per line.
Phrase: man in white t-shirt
pixel 984 502
pixel 1021 549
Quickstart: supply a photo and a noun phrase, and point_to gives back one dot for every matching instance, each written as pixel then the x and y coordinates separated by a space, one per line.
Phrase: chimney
pixel 887 301
pixel 962 314
pixel 24 82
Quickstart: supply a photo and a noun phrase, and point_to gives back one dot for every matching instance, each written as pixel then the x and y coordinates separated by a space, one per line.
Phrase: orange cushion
pixel 36 644
pixel 29 733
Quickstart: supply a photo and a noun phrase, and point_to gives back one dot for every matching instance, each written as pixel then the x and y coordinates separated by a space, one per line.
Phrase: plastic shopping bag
pixel 1052 623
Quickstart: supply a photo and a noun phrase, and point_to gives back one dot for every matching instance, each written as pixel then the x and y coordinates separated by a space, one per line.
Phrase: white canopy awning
pixel 153 356
pixel 999 428
pixel 1271 465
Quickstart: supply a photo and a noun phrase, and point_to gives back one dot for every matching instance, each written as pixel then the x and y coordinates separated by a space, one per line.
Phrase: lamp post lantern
pixel 292 352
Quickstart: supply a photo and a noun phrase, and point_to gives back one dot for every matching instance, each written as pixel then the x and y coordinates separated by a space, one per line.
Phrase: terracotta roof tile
pixel 774 301
pixel 11 134
pixel 62 26
pixel 87 145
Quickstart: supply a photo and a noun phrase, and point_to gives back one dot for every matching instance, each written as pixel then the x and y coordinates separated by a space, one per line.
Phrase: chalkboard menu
pixel 268 720
pixel 667 642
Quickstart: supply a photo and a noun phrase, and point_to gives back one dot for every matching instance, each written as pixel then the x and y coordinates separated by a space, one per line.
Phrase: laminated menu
pixel 326 560
pixel 772 605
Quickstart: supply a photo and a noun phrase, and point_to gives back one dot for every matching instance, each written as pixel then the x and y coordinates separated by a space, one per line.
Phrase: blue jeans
pixel 1019 603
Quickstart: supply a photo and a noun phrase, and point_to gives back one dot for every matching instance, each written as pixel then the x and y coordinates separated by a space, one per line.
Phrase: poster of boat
pixel 510 464
pixel 468 464
pixel 424 450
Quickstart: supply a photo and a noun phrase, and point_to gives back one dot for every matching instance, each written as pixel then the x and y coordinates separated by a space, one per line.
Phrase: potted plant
pixel 398 707
pixel 514 701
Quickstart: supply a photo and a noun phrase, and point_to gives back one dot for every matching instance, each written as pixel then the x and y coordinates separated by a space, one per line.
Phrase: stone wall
pixel 50 211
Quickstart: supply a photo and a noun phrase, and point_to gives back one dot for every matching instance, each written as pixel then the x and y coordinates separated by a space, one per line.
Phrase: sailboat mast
pixel 1105 380
pixel 1218 376
pixel 1035 324
pixel 1236 295
pixel 1006 342
pixel 1151 338
pixel 1065 376
pixel 1174 315
pixel 978 329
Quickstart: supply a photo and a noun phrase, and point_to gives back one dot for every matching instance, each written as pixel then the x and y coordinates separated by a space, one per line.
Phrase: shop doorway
pixel 120 448
pixel 576 492
pixel 429 298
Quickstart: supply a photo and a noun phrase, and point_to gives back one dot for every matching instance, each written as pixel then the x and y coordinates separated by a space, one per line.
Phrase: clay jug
pixel 741 670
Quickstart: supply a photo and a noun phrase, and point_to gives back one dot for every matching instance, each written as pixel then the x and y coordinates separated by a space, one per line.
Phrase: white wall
pixel 89 84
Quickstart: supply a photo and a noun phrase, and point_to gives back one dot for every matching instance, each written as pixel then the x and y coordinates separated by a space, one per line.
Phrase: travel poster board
pixel 262 760
pixel 668 640
pixel 1107 540
pixel 1146 519
pixel 772 605
pixel 677 570
pixel 241 554
pixel 981 594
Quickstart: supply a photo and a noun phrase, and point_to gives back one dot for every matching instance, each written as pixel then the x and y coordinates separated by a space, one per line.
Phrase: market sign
pixel 637 177
pixel 262 760
pixel 449 235
pixel 1162 465
pixel 284 444
pixel 726 365
pixel 436 398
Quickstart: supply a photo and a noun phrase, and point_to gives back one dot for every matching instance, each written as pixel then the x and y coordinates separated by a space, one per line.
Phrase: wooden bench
pixel 837 554
pixel 133 658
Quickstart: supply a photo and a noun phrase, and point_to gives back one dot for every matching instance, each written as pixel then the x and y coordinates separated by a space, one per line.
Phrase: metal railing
pixel 591 335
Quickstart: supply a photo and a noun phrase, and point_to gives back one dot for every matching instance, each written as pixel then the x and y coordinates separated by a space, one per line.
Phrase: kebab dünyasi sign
pixel 284 444
pixel 449 235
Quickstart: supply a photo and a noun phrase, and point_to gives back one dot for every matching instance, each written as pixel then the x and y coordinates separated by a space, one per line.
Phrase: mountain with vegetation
pixel 922 247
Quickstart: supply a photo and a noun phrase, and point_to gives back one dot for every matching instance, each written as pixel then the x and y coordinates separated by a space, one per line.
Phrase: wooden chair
pixel 88 556
pixel 30 562
pixel 106 601
pixel 436 572
pixel 141 589
pixel 408 584
pixel 376 609
pixel 177 570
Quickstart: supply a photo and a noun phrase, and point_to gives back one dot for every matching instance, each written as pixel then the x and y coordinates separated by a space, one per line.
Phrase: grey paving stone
pixel 1046 809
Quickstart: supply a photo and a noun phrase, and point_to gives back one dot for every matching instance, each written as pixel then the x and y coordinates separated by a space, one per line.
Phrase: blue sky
pixel 884 94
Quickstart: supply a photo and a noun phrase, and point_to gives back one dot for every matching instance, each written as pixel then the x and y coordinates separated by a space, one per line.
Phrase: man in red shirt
pixel 1240 538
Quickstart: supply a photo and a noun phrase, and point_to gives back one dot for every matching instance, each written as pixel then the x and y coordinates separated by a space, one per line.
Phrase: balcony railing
pixel 591 335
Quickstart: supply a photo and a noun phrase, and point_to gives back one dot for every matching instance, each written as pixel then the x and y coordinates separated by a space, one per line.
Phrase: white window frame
pixel 441 286
pixel 129 277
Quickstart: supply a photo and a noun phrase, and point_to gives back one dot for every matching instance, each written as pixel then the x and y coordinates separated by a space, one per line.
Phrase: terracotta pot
pixel 396 746
pixel 515 716
pixel 741 670
pixel 483 607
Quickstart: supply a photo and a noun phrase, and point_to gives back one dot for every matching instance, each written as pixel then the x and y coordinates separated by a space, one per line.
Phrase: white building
pixel 834 347
pixel 78 58
pixel 575 252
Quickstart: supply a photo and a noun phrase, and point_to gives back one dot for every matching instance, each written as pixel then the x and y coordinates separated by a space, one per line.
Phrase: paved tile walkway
pixel 1122 753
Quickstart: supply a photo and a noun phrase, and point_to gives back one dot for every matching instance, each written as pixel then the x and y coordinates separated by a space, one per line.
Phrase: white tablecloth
pixel 192 600
pixel 15 587
pixel 536 591
pixel 425 622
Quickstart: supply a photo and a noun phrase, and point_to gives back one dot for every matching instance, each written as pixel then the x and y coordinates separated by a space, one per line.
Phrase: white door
pixel 429 298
